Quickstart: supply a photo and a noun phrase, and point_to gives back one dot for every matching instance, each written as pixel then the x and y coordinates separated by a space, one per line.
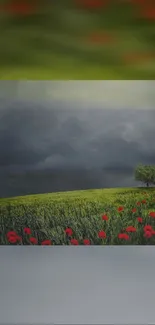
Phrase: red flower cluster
pixel 131 229
pixel 148 231
pixel 123 236
pixel 73 241
pixel 13 237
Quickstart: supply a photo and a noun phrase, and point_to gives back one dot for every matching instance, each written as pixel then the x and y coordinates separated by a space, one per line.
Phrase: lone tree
pixel 145 174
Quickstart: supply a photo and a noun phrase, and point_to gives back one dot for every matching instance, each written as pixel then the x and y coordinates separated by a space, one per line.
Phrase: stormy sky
pixel 68 135
pixel 77 285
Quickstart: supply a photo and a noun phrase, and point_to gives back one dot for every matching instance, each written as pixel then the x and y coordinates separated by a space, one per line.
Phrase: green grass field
pixel 59 43
pixel 49 215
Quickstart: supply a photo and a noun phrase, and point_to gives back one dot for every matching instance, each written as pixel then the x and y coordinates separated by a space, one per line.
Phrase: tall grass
pixel 49 215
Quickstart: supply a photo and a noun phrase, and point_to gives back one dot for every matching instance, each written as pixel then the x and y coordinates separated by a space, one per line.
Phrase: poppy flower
pixel 131 229
pixel 69 232
pixel 138 203
pixel 11 234
pixel 148 228
pixel 121 208
pixel 123 236
pixel 152 214
pixel 143 201
pixel 134 210
pixel 27 231
pixel 139 219
pixel 74 242
pixel 86 242
pixel 46 242
pixel 102 234
pixel 33 240
pixel 12 239
pixel 105 217
pixel 148 234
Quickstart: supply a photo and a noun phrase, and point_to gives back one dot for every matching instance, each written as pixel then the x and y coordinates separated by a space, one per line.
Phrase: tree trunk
pixel 147 184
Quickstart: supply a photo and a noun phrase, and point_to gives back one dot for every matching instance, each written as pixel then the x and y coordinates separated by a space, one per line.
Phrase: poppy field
pixel 90 217
pixel 77 39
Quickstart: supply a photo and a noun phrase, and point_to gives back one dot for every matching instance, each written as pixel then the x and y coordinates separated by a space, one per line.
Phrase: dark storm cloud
pixel 45 147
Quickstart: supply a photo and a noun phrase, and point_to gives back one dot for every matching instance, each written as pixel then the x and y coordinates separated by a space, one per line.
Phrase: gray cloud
pixel 62 285
pixel 52 146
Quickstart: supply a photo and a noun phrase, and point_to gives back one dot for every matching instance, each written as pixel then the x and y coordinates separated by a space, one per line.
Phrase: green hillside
pixel 88 215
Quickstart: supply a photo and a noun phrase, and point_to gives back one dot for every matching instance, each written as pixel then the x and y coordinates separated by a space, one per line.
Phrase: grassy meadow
pixel 65 40
pixel 91 217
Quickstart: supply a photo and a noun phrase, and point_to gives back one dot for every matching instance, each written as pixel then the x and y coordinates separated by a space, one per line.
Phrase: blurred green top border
pixel 77 39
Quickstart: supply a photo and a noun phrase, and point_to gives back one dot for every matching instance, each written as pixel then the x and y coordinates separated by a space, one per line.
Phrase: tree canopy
pixel 145 174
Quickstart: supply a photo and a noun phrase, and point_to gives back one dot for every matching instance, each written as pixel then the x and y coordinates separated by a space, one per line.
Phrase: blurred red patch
pixel 20 7
pixel 135 58
pixel 101 38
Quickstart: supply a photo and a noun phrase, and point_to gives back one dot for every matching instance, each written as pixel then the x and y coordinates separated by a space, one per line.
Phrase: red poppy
pixel 152 214
pixel 33 240
pixel 12 239
pixel 86 242
pixel 27 231
pixel 138 203
pixel 139 219
pixel 121 208
pixel 143 201
pixel 46 242
pixel 123 236
pixel 131 229
pixel 148 228
pixel 134 210
pixel 148 234
pixel 11 234
pixel 105 217
pixel 102 234
pixel 74 242
pixel 68 231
